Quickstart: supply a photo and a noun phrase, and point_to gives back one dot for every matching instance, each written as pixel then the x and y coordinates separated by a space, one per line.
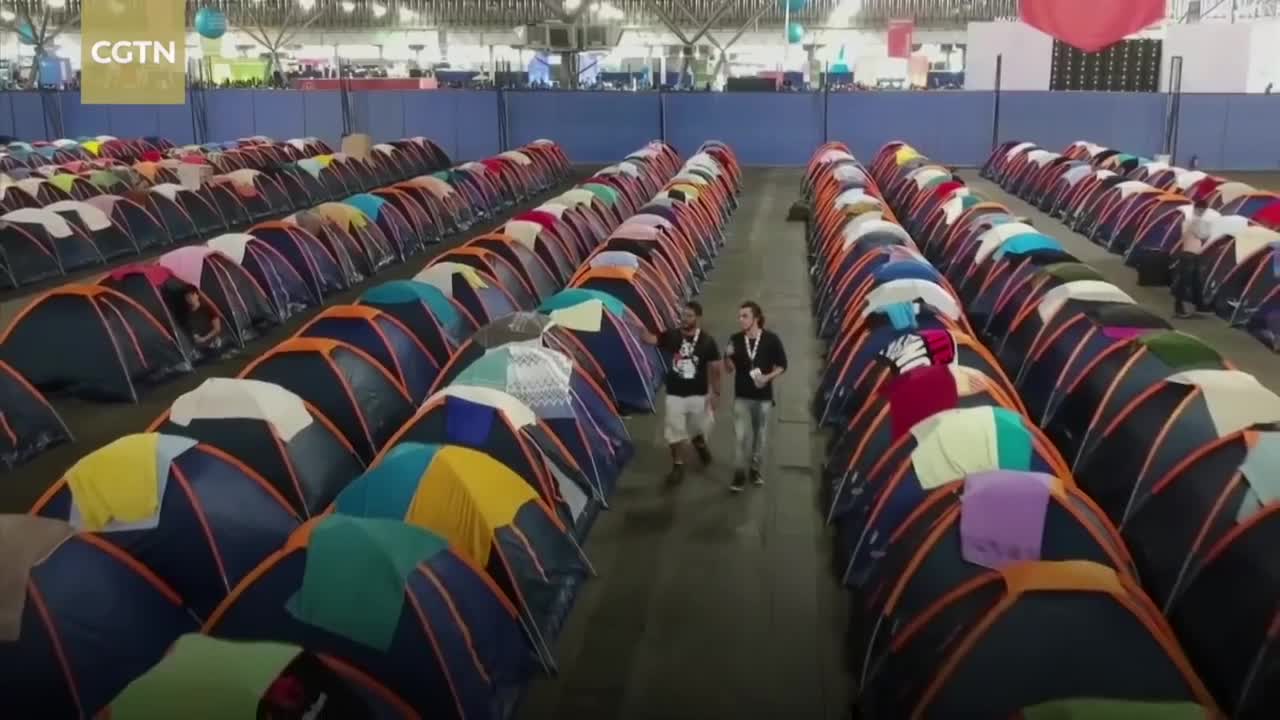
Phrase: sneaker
pixel 1184 315
pixel 739 482
pixel 676 476
pixel 704 453
pixel 757 478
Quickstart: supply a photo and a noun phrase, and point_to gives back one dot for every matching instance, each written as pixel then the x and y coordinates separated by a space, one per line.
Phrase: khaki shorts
pixel 686 418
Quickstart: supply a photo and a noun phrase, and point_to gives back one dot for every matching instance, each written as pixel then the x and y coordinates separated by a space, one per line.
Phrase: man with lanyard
pixel 756 358
pixel 1188 285
pixel 693 388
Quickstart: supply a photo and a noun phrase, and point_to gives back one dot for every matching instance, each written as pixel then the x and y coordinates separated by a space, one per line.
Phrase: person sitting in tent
pixel 204 325
pixel 693 388
pixel 756 358
pixel 1188 282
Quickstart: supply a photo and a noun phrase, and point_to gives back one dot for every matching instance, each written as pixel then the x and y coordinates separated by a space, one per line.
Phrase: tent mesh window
pixel 1127 66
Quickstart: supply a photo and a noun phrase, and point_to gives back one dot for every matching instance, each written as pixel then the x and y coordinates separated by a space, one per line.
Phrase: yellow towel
pixel 583 317
pixel 953 444
pixel 116 482
pixel 63 181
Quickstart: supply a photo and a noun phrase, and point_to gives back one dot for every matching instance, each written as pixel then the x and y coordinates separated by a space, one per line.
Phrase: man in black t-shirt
pixel 693 388
pixel 756 358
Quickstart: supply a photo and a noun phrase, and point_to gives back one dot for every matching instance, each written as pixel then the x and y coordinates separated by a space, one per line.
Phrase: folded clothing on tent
pixel 920 394
pixel 957 443
pixel 1002 517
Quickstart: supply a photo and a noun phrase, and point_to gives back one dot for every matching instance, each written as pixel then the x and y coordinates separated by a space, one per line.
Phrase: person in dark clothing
pixel 756 358
pixel 200 321
pixel 693 388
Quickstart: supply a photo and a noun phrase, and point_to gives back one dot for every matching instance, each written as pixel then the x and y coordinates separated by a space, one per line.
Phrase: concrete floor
pixel 1237 346
pixel 713 605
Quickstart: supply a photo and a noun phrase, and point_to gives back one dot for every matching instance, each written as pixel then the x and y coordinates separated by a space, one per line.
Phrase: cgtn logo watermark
pixel 128 52
pixel 133 52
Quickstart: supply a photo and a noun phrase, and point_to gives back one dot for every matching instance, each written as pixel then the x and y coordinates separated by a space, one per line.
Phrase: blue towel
pixel 902 315
pixel 370 205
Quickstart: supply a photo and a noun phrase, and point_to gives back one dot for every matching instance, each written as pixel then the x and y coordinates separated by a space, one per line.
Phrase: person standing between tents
pixel 693 388
pixel 756 358
pixel 1188 283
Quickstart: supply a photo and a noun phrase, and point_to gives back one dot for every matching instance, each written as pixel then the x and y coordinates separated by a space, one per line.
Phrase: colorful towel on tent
pixel 1002 517
pixel 902 315
pixel 120 486
pixel 370 205
pixel 1107 709
pixel 1261 470
pixel 919 349
pixel 541 379
pixel 354 581
pixel 957 443
pixel 918 395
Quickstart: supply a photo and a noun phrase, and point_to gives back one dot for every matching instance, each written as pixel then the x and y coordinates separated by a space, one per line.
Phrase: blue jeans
pixel 751 429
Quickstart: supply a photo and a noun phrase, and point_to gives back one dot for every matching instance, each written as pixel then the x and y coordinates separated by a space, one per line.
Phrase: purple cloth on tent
pixel 1002 517
pixel 1124 333
pixel 467 423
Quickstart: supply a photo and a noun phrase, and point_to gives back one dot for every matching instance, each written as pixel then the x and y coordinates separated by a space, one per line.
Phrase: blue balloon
pixel 211 23
pixel 795 33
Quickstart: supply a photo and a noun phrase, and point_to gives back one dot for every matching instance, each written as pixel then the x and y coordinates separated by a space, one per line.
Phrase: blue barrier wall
pixel 1228 132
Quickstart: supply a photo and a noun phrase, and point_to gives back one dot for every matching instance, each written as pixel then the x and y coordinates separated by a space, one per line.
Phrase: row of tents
pixel 348 529
pixel 105 339
pixel 1045 501
pixel 88 216
pixel 18 155
pixel 1138 208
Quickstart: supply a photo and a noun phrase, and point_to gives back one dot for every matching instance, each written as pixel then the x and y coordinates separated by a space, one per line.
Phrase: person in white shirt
pixel 1188 281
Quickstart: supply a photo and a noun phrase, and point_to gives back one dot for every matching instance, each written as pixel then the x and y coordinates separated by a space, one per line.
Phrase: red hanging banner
pixel 899 40
pixel 1090 25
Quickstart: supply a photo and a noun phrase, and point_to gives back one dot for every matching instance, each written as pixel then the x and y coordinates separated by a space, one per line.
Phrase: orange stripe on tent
pixel 55 637
pixel 435 646
pixel 365 680
pixel 457 618
pixel 185 484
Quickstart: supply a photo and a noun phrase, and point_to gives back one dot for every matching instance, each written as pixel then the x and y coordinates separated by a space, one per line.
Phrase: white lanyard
pixel 689 345
pixel 752 347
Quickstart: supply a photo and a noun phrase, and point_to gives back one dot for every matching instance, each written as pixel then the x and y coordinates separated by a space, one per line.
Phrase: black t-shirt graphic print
pixel 687 359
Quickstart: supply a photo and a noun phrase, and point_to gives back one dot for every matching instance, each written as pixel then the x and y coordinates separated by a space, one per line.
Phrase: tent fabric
pixel 296 449
pixel 32 424
pixel 70 658
pixel 194 516
pixel 27 541
pixel 97 326
pixel 478 654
